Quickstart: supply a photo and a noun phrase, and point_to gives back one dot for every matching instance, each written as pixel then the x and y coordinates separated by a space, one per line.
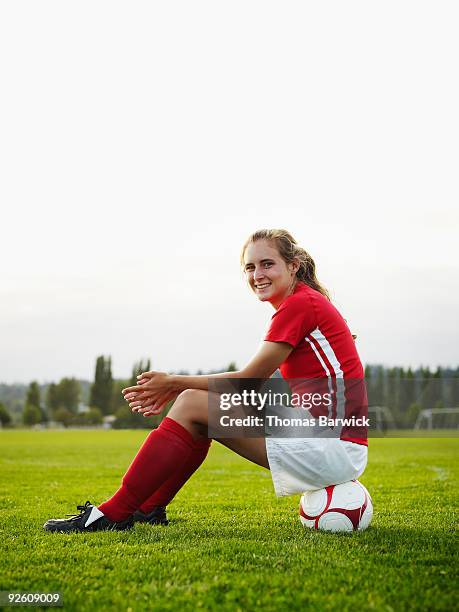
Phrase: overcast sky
pixel 141 142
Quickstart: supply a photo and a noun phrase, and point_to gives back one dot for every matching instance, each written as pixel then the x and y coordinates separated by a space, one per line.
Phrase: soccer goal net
pixel 381 418
pixel 438 418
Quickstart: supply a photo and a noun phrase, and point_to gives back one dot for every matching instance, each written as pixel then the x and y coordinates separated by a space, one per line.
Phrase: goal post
pixel 381 418
pixel 427 415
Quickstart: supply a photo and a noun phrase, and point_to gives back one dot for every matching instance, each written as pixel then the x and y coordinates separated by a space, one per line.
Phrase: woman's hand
pixel 152 392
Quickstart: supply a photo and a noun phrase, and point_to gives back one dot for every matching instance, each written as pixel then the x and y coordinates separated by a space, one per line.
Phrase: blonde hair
pixel 289 251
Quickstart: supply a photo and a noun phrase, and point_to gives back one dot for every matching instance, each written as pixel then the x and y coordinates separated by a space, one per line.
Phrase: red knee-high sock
pixel 167 491
pixel 165 450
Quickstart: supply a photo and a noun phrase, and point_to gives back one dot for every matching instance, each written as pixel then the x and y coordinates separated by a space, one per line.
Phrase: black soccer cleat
pixel 89 519
pixel 157 516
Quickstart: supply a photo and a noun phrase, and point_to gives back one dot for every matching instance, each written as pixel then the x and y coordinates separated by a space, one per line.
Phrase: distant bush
pixel 31 415
pixel 412 414
pixel 5 417
pixel 64 416
pixel 93 416
pixel 126 419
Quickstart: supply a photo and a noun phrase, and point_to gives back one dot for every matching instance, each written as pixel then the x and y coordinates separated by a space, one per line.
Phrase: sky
pixel 142 142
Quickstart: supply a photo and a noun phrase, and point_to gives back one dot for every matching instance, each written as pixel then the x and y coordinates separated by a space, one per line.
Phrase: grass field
pixel 231 543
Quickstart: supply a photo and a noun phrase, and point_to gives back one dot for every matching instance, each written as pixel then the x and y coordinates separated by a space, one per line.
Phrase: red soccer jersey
pixel 323 347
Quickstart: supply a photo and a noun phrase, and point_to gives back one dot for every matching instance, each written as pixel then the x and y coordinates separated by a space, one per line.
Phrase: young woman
pixel 307 339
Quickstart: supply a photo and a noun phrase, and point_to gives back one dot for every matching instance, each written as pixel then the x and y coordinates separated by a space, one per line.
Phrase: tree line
pixel 64 402
pixel 405 392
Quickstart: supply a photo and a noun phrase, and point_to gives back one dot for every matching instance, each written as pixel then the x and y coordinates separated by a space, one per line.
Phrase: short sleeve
pixel 292 322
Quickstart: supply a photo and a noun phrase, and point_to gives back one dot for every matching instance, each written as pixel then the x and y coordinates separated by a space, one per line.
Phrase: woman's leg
pixel 167 451
pixel 253 449
pixel 169 489
pixel 191 410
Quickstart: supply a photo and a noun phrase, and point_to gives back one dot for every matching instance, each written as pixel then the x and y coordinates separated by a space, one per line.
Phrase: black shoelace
pixel 82 510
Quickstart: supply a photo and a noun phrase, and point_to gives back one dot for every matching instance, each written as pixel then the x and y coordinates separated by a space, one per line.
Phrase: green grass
pixel 231 544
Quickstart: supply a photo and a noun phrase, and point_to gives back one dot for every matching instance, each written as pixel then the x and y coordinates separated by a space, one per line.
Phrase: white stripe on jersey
pixel 329 352
pixel 327 371
pixel 325 345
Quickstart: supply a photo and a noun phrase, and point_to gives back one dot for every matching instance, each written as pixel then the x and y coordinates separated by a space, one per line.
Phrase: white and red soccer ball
pixel 343 507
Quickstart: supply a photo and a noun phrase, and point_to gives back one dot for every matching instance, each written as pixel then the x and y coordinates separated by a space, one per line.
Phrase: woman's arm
pixel 157 388
pixel 262 365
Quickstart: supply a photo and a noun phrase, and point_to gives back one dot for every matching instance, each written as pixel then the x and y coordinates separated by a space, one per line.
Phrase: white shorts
pixel 306 464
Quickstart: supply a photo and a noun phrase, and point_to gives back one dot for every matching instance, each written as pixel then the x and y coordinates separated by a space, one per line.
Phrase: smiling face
pixel 268 275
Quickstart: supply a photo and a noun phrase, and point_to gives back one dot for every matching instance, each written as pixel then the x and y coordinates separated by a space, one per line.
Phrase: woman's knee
pixel 191 404
pixel 190 410
pixel 190 397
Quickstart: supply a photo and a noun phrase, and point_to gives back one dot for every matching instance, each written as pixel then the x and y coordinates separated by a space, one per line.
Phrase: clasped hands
pixel 151 394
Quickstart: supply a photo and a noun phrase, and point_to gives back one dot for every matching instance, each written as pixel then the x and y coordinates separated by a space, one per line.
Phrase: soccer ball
pixel 343 507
